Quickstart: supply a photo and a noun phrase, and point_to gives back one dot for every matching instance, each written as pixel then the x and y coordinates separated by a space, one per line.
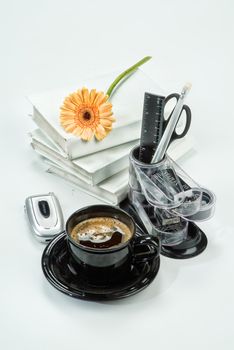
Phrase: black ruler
pixel 151 127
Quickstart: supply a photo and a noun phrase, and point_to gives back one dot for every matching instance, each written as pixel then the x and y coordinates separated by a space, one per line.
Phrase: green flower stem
pixel 125 73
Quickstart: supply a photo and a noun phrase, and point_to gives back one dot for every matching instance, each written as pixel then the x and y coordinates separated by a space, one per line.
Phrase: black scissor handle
pixel 167 99
pixel 188 114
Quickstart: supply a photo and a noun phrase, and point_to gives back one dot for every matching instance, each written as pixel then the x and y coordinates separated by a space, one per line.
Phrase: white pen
pixel 164 142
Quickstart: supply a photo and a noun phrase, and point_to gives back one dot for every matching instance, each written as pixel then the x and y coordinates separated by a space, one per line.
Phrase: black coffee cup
pixel 101 263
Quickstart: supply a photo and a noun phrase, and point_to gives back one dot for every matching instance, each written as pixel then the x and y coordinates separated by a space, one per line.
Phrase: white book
pixel 93 168
pixel 127 102
pixel 114 189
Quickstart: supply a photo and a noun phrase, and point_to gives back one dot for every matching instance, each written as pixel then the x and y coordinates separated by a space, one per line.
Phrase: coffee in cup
pixel 101 232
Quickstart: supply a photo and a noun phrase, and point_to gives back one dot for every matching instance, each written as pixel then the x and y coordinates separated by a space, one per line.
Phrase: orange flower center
pixel 87 116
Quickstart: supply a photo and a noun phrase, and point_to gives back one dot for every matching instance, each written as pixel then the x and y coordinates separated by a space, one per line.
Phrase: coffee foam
pixel 100 230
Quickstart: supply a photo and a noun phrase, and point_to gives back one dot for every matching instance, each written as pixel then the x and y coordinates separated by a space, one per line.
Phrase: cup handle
pixel 146 248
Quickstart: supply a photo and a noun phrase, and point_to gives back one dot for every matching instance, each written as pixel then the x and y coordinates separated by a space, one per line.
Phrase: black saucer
pixel 68 277
pixel 194 245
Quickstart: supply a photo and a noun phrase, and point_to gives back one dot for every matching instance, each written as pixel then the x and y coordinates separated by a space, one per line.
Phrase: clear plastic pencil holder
pixel 163 196
pixel 164 185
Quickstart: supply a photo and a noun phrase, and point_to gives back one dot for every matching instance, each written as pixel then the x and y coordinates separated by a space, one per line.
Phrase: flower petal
pixel 107 106
pixel 85 94
pixel 92 95
pixel 69 105
pixel 105 122
pixel 108 129
pixel 100 132
pixel 80 95
pixel 66 113
pixel 67 117
pixel 103 100
pixel 66 122
pixel 75 99
pixel 87 134
pixel 70 127
pixel 99 98
pixel 106 114
pixel 77 131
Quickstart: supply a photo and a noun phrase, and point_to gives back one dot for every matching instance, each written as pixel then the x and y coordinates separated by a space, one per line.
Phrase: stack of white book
pixel 97 167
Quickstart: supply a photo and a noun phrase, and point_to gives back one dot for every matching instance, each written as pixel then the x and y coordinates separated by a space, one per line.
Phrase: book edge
pixel 103 195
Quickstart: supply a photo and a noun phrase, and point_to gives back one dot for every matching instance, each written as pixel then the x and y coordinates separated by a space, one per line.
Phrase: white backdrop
pixel 49 44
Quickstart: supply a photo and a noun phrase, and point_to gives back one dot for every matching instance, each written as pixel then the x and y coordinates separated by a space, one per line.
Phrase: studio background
pixel 51 44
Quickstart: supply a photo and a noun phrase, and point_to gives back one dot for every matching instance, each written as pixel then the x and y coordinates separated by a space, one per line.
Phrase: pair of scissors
pixel 154 123
pixel 175 135
pixel 170 133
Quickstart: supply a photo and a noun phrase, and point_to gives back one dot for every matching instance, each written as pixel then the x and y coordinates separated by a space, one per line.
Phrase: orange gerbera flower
pixel 86 114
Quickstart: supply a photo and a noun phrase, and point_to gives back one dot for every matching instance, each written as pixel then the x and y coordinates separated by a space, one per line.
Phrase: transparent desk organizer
pixel 168 201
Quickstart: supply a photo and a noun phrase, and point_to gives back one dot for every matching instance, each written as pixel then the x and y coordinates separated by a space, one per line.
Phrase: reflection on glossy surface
pixel 194 244
pixel 68 277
